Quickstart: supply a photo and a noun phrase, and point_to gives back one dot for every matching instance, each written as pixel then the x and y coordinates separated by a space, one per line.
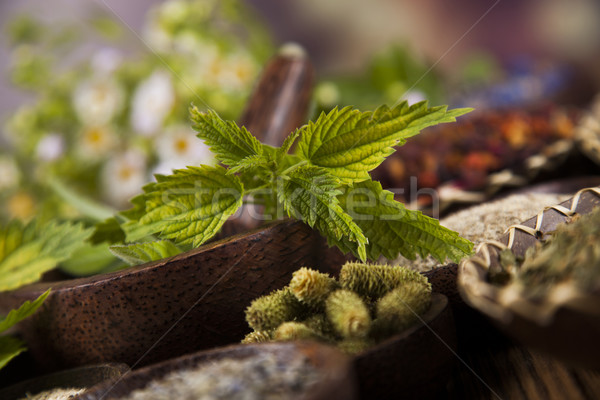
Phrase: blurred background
pixel 94 94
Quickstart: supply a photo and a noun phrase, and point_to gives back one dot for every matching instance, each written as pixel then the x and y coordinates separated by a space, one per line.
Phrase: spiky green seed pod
pixel 258 337
pixel 348 314
pixel 268 312
pixel 320 324
pixel 295 331
pixel 400 308
pixel 312 287
pixel 354 346
pixel 374 280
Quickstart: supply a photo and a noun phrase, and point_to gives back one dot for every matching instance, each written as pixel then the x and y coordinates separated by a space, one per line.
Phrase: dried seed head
pixel 268 312
pixel 354 346
pixel 320 324
pixel 295 331
pixel 400 308
pixel 373 280
pixel 348 314
pixel 257 337
pixel 312 287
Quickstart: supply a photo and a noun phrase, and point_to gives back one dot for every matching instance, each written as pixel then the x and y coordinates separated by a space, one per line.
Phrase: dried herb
pixel 373 303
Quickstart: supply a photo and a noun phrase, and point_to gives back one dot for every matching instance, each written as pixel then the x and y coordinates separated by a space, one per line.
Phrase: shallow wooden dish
pixel 414 364
pixel 82 377
pixel 337 377
pixel 160 310
pixel 564 325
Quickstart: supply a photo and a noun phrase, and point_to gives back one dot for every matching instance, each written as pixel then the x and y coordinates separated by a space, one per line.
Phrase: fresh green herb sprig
pixel 324 182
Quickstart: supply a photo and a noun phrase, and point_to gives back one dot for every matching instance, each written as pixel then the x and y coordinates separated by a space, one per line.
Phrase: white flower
pixel 236 72
pixel 9 173
pixel 106 61
pixel 158 38
pixel 152 101
pixel 178 148
pixel 123 176
pixel 174 11
pixel 50 147
pixel 206 61
pixel 414 96
pixel 95 142
pixel 327 94
pixel 97 101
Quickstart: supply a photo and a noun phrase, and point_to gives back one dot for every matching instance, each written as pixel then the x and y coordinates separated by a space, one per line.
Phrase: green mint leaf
pixel 229 142
pixel 140 253
pixel 26 255
pixel 189 206
pixel 310 193
pixel 24 311
pixel 10 347
pixel 392 229
pixel 350 143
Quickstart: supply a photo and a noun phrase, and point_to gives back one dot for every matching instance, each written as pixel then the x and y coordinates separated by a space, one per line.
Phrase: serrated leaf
pixel 139 204
pixel 10 347
pixel 287 145
pixel 249 163
pixel 350 143
pixel 39 249
pixel 310 193
pixel 24 311
pixel 140 253
pixel 392 229
pixel 229 142
pixel 189 206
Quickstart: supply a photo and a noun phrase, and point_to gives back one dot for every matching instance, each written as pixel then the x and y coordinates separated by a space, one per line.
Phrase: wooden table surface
pixel 492 366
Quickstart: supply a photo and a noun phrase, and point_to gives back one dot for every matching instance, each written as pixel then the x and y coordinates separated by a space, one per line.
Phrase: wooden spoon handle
pixel 280 100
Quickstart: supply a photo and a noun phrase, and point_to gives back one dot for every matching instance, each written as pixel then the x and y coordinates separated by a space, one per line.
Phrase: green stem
pixel 301 163
pixel 256 189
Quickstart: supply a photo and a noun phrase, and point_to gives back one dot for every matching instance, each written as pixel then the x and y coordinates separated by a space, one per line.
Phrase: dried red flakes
pixel 467 151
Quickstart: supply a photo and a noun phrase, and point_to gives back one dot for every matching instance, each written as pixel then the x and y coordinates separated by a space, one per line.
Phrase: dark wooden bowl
pixel 566 326
pixel 415 364
pixel 160 310
pixel 337 377
pixel 82 377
